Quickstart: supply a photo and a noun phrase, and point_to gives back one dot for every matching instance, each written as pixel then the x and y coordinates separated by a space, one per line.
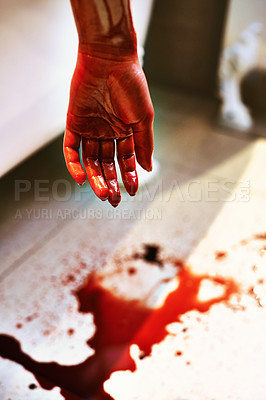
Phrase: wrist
pixel 105 28
pixel 109 51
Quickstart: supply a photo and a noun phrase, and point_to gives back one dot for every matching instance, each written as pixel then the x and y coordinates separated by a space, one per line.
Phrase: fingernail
pixel 104 198
pixel 149 169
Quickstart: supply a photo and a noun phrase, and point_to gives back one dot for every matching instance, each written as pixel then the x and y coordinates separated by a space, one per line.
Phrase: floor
pixel 163 297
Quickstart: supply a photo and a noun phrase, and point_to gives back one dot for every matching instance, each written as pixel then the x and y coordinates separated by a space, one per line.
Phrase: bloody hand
pixel 109 102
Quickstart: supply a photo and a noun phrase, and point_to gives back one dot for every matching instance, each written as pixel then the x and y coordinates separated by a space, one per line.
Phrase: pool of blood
pixel 119 323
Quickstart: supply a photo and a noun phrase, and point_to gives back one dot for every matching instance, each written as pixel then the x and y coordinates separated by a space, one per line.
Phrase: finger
pixel 71 153
pixel 107 152
pixel 143 140
pixel 127 164
pixel 90 157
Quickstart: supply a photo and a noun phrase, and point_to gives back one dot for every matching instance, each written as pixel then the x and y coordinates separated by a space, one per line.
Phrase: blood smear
pixel 220 255
pixel 119 323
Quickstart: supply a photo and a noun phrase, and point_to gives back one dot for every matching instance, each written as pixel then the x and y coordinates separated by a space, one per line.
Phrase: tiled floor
pixel 204 215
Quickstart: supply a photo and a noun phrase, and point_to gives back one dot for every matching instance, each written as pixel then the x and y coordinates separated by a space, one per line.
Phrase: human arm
pixel 109 101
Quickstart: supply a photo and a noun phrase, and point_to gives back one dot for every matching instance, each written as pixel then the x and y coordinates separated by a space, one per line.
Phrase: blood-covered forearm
pixel 105 27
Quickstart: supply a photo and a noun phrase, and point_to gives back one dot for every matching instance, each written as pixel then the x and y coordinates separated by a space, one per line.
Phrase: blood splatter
pixel 119 323
pixel 32 386
pixel 132 271
pixel 260 236
pixel 220 255
pixel 68 279
pixel 150 254
pixel 30 318
pixel 142 355
pixel 257 236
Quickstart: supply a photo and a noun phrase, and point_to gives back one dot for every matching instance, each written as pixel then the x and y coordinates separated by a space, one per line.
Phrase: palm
pixel 109 100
